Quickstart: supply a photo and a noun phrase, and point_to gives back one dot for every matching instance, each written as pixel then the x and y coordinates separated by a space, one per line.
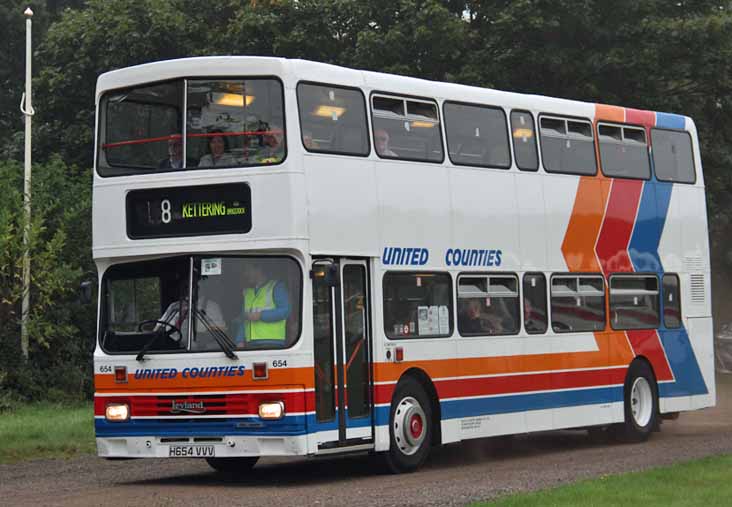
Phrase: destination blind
pixel 189 211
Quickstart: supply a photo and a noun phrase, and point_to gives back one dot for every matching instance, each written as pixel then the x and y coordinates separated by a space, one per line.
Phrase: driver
pixel 176 314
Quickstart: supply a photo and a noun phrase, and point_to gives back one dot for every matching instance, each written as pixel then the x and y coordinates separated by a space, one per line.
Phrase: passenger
pixel 381 142
pixel 217 152
pixel 175 154
pixel 307 140
pixel 266 307
pixel 273 149
pixel 472 320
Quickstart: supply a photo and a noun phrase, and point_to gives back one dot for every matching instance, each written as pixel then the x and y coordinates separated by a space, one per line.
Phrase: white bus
pixel 385 264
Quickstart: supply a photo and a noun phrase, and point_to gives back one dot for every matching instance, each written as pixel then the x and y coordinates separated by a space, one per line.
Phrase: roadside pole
pixel 26 107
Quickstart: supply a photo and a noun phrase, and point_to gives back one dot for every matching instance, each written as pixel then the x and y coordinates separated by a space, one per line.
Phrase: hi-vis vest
pixel 255 301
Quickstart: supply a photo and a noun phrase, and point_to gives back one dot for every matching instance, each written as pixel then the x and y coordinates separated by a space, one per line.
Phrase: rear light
pixel 259 371
pixel 117 412
pixel 272 410
pixel 120 374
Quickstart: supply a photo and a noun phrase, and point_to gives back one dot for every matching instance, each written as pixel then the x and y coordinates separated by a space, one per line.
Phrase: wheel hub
pixel 641 402
pixel 409 425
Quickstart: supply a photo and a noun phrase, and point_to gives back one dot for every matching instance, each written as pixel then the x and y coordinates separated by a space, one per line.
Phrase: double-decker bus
pixel 300 259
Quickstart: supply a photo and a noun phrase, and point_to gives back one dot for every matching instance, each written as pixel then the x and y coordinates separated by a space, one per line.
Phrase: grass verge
pixel 46 430
pixel 705 482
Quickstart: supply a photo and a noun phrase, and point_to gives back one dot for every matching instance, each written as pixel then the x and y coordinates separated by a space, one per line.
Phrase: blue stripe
pixel 289 425
pixel 688 375
pixel 670 121
pixel 455 409
pixel 643 250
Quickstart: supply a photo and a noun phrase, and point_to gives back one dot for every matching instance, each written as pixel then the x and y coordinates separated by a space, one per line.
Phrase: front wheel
pixel 410 427
pixel 641 404
pixel 232 467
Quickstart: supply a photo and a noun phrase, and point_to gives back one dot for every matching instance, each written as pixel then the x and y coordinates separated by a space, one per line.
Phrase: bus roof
pixel 294 70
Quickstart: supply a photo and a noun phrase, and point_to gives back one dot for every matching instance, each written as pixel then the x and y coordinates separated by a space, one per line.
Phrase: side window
pixel 578 303
pixel 406 129
pixel 476 135
pixel 623 151
pixel 672 156
pixel 671 301
pixel 333 119
pixel 535 318
pixel 634 302
pixel 567 146
pixel 417 305
pixel 524 141
pixel 488 305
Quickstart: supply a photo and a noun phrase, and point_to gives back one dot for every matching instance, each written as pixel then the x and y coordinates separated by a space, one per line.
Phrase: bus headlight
pixel 272 410
pixel 117 412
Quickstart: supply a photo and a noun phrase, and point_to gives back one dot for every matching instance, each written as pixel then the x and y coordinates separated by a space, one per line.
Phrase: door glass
pixel 323 335
pixel 354 318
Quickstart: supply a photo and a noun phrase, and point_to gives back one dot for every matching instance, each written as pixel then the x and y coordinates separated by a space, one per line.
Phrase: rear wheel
pixel 641 404
pixel 232 467
pixel 410 427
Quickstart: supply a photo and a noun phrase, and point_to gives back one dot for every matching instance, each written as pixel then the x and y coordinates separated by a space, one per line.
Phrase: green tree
pixel 60 330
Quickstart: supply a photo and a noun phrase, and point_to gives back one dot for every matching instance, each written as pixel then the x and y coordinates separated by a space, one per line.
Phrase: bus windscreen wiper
pixel 223 339
pixel 156 334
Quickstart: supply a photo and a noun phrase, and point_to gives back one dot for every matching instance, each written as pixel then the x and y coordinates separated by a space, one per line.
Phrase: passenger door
pixel 342 347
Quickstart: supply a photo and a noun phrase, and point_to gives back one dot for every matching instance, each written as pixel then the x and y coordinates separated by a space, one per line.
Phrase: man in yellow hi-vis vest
pixel 266 307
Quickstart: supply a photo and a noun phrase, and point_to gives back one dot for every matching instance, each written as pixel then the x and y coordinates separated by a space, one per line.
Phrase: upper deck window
pixel 406 129
pixel 524 141
pixel 189 124
pixel 476 135
pixel 333 119
pixel 623 151
pixel 672 156
pixel 567 145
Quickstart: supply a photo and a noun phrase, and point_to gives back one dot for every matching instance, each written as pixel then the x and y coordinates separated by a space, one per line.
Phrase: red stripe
pixel 617 226
pixel 646 342
pixel 224 405
pixel 514 384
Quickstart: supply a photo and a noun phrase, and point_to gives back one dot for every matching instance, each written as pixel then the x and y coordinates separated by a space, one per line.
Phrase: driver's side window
pixel 132 301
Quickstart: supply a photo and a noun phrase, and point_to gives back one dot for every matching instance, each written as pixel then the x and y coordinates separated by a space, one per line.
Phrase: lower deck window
pixel 488 305
pixel 634 302
pixel 417 305
pixel 578 303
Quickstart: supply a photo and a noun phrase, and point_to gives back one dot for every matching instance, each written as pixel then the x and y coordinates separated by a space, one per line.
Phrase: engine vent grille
pixel 697 288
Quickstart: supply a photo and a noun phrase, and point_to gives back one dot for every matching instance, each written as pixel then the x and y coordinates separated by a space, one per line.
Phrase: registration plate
pixel 191 451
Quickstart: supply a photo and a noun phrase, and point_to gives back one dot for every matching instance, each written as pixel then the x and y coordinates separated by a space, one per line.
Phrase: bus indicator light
pixel 120 374
pixel 259 371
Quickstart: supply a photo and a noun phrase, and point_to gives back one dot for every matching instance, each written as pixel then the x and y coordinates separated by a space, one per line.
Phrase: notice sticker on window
pixel 211 267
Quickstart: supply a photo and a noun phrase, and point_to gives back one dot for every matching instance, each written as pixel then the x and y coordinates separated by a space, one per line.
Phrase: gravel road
pixel 455 475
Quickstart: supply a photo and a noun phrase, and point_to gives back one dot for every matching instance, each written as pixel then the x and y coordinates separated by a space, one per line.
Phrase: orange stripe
pixel 279 378
pixel 612 351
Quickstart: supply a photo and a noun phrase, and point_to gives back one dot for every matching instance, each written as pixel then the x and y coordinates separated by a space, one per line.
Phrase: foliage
pixel 58 241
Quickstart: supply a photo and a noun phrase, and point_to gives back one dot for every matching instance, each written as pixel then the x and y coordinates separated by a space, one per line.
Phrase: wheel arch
pixel 429 387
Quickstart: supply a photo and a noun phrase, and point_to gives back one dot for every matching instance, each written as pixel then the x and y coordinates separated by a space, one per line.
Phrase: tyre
pixel 232 467
pixel 410 427
pixel 641 404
